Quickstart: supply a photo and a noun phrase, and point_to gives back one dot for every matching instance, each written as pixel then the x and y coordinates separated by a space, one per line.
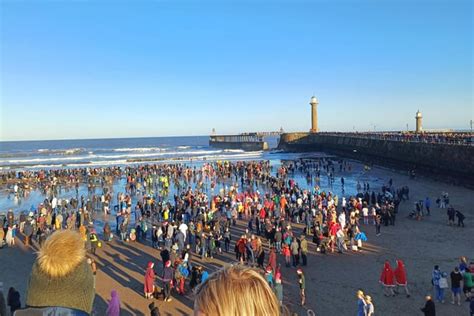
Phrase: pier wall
pixel 455 160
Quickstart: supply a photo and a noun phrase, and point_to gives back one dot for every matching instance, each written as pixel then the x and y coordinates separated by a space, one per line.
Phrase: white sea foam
pixel 124 159
pixel 69 151
pixel 32 160
pixel 117 156
pixel 139 149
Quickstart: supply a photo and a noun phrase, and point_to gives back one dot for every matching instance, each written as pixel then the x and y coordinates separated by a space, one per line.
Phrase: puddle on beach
pixel 10 201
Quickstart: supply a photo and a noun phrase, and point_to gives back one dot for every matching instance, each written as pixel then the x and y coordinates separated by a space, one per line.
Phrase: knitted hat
pixel 61 276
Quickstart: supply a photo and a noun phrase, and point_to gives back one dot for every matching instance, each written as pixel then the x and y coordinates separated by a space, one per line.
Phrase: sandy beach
pixel 332 279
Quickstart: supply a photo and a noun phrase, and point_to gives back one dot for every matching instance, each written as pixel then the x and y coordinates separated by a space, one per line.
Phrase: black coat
pixel 429 308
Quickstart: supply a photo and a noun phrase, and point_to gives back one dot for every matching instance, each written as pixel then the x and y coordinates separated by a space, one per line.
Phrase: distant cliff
pixel 453 160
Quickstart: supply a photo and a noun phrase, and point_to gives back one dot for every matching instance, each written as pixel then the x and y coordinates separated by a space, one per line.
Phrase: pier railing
pixel 451 138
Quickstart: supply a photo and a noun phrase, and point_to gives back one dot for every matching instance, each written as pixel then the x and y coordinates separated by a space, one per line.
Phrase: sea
pixel 79 153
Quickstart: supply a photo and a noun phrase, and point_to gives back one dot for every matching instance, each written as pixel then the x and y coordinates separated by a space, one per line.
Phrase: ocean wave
pixel 22 161
pixel 69 151
pixel 128 159
pixel 251 154
pixel 184 147
pixel 104 157
pixel 139 149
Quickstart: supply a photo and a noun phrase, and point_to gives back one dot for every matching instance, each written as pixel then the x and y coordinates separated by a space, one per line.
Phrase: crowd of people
pixel 452 138
pixel 193 211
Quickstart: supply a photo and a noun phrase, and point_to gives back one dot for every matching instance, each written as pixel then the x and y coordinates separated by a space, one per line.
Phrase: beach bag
pixel 443 283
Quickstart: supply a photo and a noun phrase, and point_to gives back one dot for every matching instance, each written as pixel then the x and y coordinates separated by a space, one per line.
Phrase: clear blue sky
pixel 91 69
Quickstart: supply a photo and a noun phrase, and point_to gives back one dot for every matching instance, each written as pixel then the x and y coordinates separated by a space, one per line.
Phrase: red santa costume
pixel 149 285
pixel 400 273
pixel 386 278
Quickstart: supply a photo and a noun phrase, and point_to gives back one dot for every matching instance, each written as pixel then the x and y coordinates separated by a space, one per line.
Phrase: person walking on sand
pixel 387 279
pixel 302 284
pixel 401 277
pixel 429 309
pixel 114 305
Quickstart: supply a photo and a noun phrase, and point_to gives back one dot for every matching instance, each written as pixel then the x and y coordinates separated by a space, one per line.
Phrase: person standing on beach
pixel 428 206
pixel 369 308
pixel 295 252
pixel 435 277
pixel 443 285
pixel 378 224
pixel 361 304
pixel 456 278
pixel 304 249
pixel 167 280
pixel 149 286
pixel 13 300
pixel 467 284
pixel 302 284
pixel 278 288
pixel 429 309
pixel 451 213
pixel 113 309
pixel 461 218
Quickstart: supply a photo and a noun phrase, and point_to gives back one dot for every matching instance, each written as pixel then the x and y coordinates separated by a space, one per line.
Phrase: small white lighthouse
pixel 419 117
pixel 314 114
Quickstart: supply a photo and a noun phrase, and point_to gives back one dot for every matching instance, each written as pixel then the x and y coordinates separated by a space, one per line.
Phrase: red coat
pixel 387 277
pixel 400 273
pixel 149 280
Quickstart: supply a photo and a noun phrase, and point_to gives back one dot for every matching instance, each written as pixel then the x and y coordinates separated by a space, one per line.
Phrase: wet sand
pixel 332 279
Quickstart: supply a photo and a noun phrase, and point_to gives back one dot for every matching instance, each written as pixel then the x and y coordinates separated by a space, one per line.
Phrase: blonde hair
pixel 236 290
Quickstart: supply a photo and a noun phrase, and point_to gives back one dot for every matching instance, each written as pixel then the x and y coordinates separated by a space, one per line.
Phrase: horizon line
pixel 207 135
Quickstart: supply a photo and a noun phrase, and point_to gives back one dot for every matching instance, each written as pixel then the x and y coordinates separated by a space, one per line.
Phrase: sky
pixel 100 69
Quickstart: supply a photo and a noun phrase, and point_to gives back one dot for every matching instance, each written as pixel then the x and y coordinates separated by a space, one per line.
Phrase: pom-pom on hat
pixel 61 275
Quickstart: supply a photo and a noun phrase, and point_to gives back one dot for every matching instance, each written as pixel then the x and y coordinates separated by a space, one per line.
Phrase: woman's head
pixel 235 290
